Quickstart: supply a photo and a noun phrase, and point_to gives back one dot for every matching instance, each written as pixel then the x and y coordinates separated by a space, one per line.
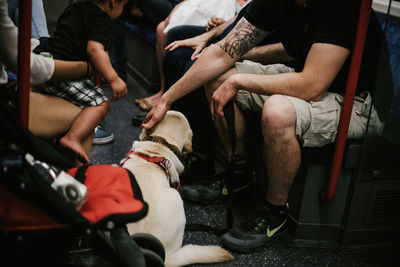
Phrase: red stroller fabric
pixel 113 194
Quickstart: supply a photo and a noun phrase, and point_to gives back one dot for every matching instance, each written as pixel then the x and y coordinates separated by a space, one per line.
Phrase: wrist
pixel 113 79
pixel 235 81
pixel 166 100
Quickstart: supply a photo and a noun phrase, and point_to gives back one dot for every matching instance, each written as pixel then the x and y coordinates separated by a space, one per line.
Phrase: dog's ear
pixel 187 146
pixel 143 134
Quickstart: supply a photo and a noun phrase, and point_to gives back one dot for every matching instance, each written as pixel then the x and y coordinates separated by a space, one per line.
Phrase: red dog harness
pixel 160 161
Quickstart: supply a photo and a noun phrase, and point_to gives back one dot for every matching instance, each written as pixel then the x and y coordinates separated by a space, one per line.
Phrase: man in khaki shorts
pixel 316 121
pixel 299 99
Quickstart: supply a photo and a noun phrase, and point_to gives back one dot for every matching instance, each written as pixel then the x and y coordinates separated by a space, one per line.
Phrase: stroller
pixel 49 218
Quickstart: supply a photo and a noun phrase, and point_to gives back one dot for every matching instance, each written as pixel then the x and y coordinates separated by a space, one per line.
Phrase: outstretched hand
pixel 196 43
pixel 222 96
pixel 155 115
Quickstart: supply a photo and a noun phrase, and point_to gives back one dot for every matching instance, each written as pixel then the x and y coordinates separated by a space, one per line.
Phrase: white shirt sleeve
pixel 42 68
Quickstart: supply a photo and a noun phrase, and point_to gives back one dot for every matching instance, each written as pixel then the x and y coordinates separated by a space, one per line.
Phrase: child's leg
pixel 82 127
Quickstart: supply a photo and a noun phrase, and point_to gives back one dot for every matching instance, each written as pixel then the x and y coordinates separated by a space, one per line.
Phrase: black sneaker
pixel 197 169
pixel 254 233
pixel 216 191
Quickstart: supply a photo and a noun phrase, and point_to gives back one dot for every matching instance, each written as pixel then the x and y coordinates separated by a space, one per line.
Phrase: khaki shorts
pixel 317 122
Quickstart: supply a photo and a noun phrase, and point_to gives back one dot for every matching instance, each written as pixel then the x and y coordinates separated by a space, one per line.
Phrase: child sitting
pixel 83 33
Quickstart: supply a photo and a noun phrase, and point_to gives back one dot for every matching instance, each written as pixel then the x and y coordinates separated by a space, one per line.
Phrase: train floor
pixel 277 253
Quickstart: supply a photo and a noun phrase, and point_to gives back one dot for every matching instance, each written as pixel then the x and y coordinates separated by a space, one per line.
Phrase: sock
pixel 241 173
pixel 277 214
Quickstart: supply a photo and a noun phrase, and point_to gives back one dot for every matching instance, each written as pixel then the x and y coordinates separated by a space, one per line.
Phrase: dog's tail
pixel 191 254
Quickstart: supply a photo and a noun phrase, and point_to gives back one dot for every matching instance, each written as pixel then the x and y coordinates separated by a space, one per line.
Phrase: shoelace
pixel 256 224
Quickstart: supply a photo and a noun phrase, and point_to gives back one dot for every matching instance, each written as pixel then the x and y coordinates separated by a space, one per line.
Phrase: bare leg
pixel 281 148
pixel 150 101
pixel 220 123
pixel 82 128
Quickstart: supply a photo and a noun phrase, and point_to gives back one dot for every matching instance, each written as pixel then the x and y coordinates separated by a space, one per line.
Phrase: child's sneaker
pixel 102 137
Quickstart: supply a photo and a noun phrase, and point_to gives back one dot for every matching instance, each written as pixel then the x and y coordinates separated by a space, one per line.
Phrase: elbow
pixel 313 88
pixel 313 91
pixel 316 93
pixel 218 54
pixel 91 52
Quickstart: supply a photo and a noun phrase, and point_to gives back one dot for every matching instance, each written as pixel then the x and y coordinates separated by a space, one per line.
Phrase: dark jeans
pixel 194 105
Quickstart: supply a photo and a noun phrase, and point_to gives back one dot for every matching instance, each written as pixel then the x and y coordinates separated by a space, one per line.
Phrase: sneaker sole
pixel 102 141
pixel 254 248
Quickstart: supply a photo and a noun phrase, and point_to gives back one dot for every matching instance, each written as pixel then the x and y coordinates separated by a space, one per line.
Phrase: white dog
pixel 154 160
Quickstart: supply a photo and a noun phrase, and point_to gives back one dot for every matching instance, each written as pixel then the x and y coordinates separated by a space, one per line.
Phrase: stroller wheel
pixel 150 242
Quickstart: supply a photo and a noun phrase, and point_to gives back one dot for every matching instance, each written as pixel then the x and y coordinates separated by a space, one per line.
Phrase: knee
pixel 278 115
pixel 105 108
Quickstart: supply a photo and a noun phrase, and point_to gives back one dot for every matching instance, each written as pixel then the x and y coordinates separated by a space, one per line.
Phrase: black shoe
pixel 254 233
pixel 215 191
pixel 197 169
pixel 137 119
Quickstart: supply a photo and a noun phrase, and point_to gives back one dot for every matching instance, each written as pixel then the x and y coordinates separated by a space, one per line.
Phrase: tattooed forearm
pixel 241 39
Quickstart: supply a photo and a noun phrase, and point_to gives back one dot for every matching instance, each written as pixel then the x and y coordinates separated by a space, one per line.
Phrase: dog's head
pixel 174 128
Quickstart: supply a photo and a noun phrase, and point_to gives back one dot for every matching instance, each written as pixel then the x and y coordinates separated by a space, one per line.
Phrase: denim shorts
pixel 316 121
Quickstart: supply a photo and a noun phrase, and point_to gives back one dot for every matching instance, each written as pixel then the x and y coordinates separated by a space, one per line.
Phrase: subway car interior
pixel 344 205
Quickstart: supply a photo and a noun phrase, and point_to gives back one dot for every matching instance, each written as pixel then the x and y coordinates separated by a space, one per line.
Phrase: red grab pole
pixel 351 85
pixel 24 58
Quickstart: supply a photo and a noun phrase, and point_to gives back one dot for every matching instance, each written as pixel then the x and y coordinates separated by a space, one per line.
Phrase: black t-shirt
pixel 320 21
pixel 80 22
pixel 323 21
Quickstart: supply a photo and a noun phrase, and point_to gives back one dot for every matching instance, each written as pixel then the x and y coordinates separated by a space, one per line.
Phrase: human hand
pixel 156 114
pixel 118 88
pixel 214 22
pixel 196 43
pixel 222 96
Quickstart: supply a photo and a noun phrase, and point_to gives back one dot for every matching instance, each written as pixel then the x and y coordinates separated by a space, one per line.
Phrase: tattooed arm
pixel 213 61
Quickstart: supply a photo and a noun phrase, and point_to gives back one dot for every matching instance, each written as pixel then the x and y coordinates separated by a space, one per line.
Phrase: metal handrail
pixel 24 59
pixel 351 85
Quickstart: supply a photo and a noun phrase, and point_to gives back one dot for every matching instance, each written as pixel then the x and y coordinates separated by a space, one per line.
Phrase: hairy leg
pixel 82 128
pixel 220 123
pixel 281 148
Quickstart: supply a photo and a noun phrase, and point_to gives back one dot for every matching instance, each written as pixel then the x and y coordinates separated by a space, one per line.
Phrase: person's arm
pixel 323 63
pixel 268 54
pixel 66 70
pixel 102 64
pixel 42 69
pixel 198 43
pixel 214 60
